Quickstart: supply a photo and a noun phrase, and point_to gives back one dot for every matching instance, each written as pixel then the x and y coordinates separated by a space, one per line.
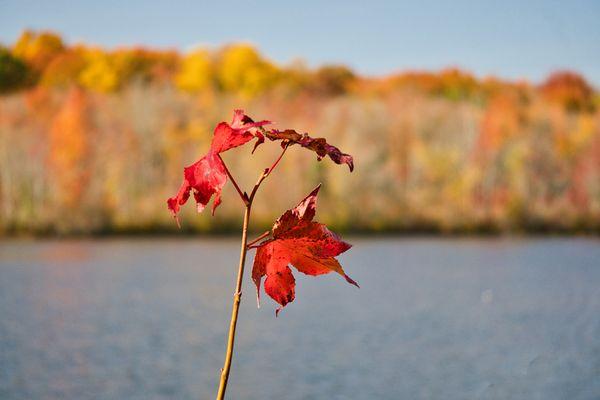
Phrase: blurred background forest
pixel 94 141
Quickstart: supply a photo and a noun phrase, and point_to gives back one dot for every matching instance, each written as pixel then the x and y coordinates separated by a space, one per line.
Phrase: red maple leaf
pixel 208 175
pixel 318 145
pixel 305 244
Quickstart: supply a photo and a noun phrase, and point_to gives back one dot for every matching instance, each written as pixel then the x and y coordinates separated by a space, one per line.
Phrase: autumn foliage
pixel 307 245
pixel 443 151
pixel 569 90
pixel 69 149
pixel 295 238
pixel 208 175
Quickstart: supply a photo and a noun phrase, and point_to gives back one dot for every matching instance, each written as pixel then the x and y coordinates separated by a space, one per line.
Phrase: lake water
pixel 434 319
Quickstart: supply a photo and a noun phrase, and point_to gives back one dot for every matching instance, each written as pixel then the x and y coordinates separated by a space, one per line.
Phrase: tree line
pixel 92 140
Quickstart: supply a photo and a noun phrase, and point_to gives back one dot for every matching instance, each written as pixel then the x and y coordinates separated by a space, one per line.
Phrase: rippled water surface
pixel 434 319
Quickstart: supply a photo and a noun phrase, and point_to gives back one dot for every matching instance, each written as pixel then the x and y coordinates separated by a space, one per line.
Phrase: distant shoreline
pixel 483 232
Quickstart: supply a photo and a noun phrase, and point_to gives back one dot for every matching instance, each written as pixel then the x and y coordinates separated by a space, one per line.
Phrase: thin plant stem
pixel 243 195
pixel 285 147
pixel 265 174
pixel 258 239
pixel 237 297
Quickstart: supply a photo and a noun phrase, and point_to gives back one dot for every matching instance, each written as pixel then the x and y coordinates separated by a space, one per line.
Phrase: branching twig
pixel 258 239
pixel 266 173
pixel 244 249
pixel 243 195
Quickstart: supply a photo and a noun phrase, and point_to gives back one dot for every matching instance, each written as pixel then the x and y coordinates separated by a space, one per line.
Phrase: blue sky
pixel 513 39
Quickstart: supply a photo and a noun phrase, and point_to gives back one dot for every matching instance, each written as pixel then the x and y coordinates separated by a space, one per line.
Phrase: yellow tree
pixel 100 73
pixel 195 73
pixel 243 71
pixel 38 49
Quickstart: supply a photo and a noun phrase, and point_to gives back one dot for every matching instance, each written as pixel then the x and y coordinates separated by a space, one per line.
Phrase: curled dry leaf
pixel 207 176
pixel 305 244
pixel 318 145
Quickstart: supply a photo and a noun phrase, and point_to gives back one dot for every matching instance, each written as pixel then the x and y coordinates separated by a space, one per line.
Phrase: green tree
pixel 14 73
pixel 333 79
